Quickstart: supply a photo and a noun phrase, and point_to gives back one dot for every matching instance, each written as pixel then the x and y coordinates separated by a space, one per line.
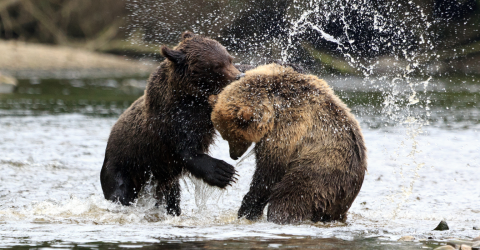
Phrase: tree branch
pixel 105 35
pixel 7 3
pixel 45 21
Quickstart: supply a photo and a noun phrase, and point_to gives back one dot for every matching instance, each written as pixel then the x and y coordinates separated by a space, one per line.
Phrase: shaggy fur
pixel 310 153
pixel 168 129
pixel 297 67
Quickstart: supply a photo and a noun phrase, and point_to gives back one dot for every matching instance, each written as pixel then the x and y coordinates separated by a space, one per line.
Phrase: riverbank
pixel 26 60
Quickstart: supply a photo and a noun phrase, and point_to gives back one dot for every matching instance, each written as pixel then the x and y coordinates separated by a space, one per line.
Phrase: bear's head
pixel 201 65
pixel 245 110
pixel 242 114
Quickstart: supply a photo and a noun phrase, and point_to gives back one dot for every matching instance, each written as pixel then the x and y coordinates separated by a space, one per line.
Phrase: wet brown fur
pixel 310 152
pixel 168 129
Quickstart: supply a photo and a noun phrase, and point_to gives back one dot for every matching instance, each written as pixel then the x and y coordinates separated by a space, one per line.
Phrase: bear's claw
pixel 219 173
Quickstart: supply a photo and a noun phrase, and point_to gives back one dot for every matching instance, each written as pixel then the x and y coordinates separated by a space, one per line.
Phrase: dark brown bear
pixel 310 153
pixel 168 129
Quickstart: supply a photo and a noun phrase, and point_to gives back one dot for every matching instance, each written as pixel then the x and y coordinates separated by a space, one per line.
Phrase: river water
pixel 423 168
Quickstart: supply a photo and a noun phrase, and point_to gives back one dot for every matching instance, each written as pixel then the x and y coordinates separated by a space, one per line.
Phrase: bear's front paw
pixel 250 212
pixel 219 173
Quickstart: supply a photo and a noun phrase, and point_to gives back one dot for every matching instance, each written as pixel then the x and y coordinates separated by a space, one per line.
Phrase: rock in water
pixel 476 244
pixel 465 247
pixel 407 238
pixel 445 248
pixel 442 226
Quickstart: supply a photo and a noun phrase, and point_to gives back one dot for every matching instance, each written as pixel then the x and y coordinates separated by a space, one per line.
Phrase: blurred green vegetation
pixel 65 22
pixel 138 27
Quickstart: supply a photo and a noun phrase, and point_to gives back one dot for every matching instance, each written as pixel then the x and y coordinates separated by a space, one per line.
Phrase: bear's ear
pixel 175 56
pixel 245 114
pixel 186 34
pixel 212 100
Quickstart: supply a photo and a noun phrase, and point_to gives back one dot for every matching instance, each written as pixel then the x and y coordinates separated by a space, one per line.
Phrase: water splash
pixel 204 193
pixel 403 105
pixel 387 42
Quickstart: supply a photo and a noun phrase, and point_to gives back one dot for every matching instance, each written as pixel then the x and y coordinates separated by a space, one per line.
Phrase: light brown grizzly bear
pixel 168 130
pixel 310 153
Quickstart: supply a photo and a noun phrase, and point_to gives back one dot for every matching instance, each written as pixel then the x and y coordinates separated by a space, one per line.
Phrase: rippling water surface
pixel 54 133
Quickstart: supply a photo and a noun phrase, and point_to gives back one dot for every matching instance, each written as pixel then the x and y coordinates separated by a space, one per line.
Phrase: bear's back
pixel 312 121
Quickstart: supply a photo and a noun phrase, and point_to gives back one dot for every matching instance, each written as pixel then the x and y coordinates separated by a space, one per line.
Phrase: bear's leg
pixel 292 199
pixel 319 215
pixel 213 171
pixel 172 199
pixel 190 144
pixel 168 195
pixel 253 205
pixel 264 179
pixel 117 186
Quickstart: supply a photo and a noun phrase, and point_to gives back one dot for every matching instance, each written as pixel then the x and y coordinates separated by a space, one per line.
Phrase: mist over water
pixel 421 130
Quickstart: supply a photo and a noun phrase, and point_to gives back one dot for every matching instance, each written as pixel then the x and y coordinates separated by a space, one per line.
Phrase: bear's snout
pixel 234 157
pixel 238 148
pixel 232 73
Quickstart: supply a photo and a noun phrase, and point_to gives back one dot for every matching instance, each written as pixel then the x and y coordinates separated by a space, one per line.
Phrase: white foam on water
pixel 49 191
